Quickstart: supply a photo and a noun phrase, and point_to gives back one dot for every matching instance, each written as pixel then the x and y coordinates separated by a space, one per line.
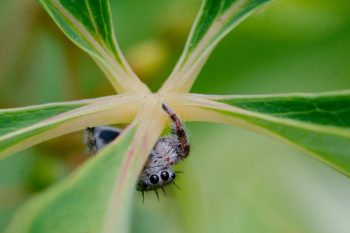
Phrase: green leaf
pixel 151 121
pixel 326 109
pixel 18 119
pixel 79 203
pixel 21 128
pixel 88 24
pixel 215 19
pixel 318 124
pixel 98 196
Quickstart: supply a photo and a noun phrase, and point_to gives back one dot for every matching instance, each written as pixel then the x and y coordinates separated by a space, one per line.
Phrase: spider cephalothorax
pixel 168 151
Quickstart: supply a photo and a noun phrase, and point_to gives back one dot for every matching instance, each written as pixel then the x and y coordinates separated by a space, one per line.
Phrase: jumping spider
pixel 168 151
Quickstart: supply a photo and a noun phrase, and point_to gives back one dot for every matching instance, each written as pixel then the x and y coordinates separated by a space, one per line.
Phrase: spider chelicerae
pixel 168 151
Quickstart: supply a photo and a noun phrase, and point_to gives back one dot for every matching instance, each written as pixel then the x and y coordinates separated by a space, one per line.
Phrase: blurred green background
pixel 234 180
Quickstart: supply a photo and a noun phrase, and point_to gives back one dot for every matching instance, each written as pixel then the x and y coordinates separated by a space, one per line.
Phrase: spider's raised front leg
pixel 179 131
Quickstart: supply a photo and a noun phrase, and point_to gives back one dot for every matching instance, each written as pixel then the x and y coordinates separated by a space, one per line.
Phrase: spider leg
pixel 143 196
pixel 163 191
pixel 176 185
pixel 178 130
pixel 179 172
pixel 157 194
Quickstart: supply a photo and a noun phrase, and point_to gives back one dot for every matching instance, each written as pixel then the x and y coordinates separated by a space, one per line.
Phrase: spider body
pixel 168 151
pixel 97 138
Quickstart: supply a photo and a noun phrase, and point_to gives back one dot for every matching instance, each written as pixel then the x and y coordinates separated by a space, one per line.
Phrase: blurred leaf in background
pixel 234 181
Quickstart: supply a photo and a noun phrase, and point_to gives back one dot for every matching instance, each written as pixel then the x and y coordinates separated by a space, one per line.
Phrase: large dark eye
pixel 164 175
pixel 154 179
pixel 173 175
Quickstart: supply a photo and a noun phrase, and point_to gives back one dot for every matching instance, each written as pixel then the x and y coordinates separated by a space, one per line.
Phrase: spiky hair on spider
pixel 166 153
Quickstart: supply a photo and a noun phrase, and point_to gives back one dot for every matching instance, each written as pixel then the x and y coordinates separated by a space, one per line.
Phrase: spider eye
pixel 154 179
pixel 173 176
pixel 144 185
pixel 164 175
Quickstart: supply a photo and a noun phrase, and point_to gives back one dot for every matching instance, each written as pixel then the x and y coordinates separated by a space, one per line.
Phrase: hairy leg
pixel 178 130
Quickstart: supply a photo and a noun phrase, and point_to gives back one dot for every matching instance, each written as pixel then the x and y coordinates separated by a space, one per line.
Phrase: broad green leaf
pixel 21 128
pixel 327 110
pixel 79 203
pixel 318 124
pixel 98 196
pixel 18 118
pixel 215 19
pixel 88 24
pixel 151 123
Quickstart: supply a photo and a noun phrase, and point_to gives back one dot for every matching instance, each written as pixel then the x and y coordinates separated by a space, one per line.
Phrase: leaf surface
pixel 98 196
pixel 18 118
pixel 215 19
pixel 21 128
pixel 81 201
pixel 151 123
pixel 88 24
pixel 318 124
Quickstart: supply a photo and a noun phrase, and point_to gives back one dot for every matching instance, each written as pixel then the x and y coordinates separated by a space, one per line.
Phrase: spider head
pixel 155 181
